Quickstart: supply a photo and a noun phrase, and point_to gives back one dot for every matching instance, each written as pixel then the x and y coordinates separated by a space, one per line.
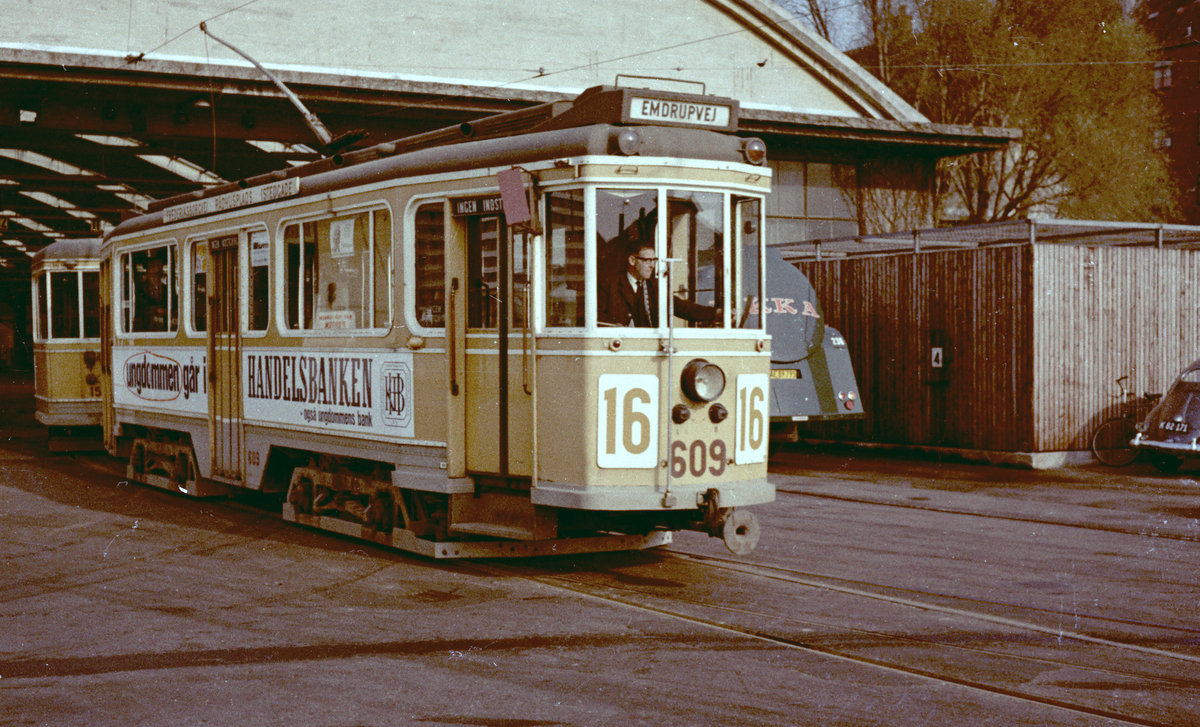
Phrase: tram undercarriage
pixel 359 499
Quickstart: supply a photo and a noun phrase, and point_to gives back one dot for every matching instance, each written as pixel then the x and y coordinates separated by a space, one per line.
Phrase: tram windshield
pixel 692 270
pixel 66 305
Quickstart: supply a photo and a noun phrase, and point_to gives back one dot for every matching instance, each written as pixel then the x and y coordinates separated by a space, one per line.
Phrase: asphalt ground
pixel 129 605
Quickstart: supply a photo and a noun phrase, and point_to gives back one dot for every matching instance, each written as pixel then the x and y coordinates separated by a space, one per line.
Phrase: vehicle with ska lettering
pixel 66 343
pixel 403 343
pixel 812 376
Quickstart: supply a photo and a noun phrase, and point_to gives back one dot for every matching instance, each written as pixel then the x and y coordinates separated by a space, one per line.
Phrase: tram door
pixel 224 359
pixel 498 404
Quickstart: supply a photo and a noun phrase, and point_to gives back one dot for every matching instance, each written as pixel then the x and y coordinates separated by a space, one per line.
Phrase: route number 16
pixel 627 423
pixel 752 418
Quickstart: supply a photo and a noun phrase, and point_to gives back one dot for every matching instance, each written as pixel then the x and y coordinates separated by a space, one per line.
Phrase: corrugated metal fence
pixel 1031 337
pixel 1101 313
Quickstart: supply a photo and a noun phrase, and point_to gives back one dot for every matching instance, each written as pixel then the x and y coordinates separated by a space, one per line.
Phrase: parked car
pixel 1172 428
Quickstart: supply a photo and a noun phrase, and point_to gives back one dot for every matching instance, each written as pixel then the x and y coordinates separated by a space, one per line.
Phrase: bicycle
pixel 1112 442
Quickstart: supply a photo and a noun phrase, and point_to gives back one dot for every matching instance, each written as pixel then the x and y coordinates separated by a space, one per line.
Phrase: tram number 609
pixel 694 458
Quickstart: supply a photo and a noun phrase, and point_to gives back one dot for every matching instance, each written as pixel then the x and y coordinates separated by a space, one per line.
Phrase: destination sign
pixel 469 206
pixel 233 200
pixel 690 113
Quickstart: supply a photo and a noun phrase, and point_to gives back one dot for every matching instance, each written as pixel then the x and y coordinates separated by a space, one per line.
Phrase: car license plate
pixel 1173 426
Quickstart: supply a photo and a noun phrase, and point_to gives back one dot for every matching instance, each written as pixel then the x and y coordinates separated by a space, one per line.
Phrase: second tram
pixel 66 343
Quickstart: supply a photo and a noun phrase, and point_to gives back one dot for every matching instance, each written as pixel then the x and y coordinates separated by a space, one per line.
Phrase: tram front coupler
pixel 738 529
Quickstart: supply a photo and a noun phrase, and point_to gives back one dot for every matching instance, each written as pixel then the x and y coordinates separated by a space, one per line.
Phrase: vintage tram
pixel 66 343
pixel 404 343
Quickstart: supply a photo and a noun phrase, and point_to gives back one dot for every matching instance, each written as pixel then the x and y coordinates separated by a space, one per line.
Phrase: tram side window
pixel 338 272
pixel 260 297
pixel 200 286
pixel 91 308
pixel 564 260
pixel 747 224
pixel 149 295
pixel 519 256
pixel 382 267
pixel 429 264
pixel 43 307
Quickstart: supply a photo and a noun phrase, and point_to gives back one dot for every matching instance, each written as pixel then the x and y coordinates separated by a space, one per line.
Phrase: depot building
pixel 109 105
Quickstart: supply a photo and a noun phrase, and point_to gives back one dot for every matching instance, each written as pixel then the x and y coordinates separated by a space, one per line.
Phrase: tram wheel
pixel 181 471
pixel 137 458
pixel 381 512
pixel 300 496
pixel 1111 442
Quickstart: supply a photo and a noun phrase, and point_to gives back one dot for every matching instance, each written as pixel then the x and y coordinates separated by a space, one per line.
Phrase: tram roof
pixel 373 165
pixel 669 125
pixel 597 105
pixel 75 249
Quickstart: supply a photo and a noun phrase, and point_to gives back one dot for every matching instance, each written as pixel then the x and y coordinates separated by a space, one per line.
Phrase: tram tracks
pixel 942 601
pixel 1098 527
pixel 932 638
pixel 1010 657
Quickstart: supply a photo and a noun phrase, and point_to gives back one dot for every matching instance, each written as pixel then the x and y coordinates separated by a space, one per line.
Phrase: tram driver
pixel 151 297
pixel 630 298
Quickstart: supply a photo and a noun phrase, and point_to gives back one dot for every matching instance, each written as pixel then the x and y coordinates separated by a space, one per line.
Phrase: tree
pixel 834 20
pixel 1075 77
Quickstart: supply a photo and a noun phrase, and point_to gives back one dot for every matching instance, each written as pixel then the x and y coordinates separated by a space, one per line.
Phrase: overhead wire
pixel 541 73
pixel 138 57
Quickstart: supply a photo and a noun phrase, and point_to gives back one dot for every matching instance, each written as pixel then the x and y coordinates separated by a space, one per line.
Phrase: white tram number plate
pixel 627 421
pixel 753 412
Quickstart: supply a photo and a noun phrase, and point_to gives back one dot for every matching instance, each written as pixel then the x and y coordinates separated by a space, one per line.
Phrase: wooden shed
pixel 1006 338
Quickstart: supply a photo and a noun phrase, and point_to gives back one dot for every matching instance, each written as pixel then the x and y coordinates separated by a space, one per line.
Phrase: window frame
pixel 664 191
pixel 1163 74
pixel 43 304
pixel 279 278
pixel 798 210
pixel 542 292
pixel 189 245
pixel 189 275
pixel 126 285
pixel 409 256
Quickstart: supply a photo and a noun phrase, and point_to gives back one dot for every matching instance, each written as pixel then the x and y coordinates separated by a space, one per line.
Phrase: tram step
pixel 493 530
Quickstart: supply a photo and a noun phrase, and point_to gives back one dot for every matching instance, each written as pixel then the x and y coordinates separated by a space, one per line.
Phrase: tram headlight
pixel 628 142
pixel 755 151
pixel 702 381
